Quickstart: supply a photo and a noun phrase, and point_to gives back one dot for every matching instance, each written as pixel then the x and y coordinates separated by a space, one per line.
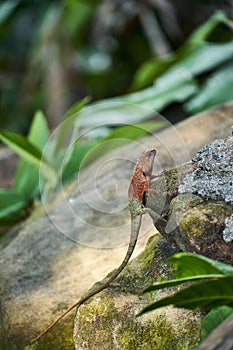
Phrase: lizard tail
pixel 135 226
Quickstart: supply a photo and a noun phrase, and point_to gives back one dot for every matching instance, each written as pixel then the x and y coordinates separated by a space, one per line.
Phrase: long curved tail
pixel 135 227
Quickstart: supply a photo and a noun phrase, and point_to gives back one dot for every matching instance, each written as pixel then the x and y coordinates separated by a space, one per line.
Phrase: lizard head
pixel 146 161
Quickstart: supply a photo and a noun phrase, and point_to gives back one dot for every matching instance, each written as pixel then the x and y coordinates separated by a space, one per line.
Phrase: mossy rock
pixel 108 321
pixel 192 205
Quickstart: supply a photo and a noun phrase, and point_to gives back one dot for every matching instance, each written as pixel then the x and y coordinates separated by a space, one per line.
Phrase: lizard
pixel 137 193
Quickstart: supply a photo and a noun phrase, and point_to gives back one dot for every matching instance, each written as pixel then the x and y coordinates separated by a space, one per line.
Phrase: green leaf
pixel 77 107
pixel 168 89
pixel 213 319
pixel 209 294
pixel 189 60
pixel 202 33
pixel 177 282
pixel 188 265
pixel 74 158
pixel 27 177
pixel 29 153
pixel 39 131
pixel 133 132
pixel 194 57
pixel 216 90
pixel 10 202
pixel 85 154
pixel 150 70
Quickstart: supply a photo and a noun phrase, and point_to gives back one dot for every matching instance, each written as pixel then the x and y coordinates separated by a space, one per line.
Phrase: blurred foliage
pixel 54 53
pixel 47 163
pixel 197 76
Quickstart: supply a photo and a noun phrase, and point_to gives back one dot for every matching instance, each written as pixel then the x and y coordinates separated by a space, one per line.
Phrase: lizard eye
pixel 152 152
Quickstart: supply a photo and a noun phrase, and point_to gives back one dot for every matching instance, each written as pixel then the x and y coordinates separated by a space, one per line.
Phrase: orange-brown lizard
pixel 138 190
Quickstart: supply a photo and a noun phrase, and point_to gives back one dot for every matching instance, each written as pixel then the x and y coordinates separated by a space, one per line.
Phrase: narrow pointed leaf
pixel 177 282
pixel 209 294
pixel 28 152
pixel 27 177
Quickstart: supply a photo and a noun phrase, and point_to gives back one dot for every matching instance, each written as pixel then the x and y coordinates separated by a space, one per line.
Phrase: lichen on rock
pixel 196 211
pixel 228 230
pixel 213 178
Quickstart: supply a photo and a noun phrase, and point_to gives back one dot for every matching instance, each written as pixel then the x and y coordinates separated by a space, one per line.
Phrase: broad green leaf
pixel 188 265
pixel 177 282
pixel 174 87
pixel 27 177
pixel 151 69
pixel 213 319
pixel 113 112
pixel 209 294
pixel 206 57
pixel 192 60
pixel 10 202
pixel 29 153
pixel 133 132
pixel 216 90
pixel 194 57
pixel 202 33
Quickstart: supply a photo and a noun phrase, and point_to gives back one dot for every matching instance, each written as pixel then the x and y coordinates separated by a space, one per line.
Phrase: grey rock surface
pixel 213 178
pixel 194 206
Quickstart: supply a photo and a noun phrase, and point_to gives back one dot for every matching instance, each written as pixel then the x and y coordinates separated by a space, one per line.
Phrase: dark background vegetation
pixel 54 53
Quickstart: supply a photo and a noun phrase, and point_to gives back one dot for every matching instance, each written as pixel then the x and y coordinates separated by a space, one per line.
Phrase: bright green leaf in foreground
pixel 188 265
pixel 209 294
pixel 215 290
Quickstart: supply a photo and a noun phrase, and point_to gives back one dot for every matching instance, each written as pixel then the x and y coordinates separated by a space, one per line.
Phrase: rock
pixel 191 214
pixel 194 209
pixel 108 320
pixel 44 270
